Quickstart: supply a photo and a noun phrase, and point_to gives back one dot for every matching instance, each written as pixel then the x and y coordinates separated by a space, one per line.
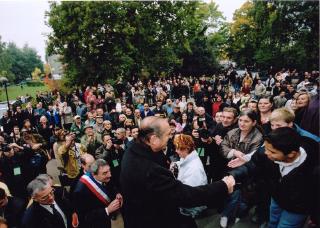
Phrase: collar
pixel 286 168
pixel 97 180
pixel 188 158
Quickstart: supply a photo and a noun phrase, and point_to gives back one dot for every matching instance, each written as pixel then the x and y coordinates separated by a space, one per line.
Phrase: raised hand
pixel 234 163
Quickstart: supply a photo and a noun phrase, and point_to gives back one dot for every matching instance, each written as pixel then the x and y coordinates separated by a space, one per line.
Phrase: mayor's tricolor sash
pixel 95 189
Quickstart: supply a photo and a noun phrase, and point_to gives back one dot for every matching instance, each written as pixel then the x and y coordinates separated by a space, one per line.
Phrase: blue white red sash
pixel 95 189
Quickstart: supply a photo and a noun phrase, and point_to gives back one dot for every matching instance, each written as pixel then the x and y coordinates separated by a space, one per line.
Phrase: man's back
pixel 152 195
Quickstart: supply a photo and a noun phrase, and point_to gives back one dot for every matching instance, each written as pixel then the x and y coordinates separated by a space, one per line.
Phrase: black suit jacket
pixel 30 116
pixel 90 210
pixel 38 217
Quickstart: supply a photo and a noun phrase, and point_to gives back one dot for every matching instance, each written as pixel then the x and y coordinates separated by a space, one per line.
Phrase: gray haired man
pixel 47 210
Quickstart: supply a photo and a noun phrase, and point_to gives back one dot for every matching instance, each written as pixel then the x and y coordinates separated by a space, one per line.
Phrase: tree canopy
pixel 278 33
pixel 17 64
pixel 100 40
pixel 105 40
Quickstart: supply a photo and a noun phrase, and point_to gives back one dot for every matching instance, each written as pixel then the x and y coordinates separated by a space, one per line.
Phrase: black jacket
pixel 296 192
pixel 90 210
pixel 13 211
pixel 152 195
pixel 38 217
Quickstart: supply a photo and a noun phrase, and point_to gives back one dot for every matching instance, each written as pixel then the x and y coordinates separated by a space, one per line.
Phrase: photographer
pixel 204 147
pixel 69 154
pixel 15 166
pixel 205 121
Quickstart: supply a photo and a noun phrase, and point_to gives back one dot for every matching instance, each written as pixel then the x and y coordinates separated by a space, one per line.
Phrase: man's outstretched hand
pixel 230 182
pixel 234 163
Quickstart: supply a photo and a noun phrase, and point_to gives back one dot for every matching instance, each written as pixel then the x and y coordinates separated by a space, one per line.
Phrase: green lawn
pixel 15 91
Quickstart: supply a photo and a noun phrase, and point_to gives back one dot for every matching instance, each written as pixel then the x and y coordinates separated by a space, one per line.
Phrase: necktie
pixel 58 216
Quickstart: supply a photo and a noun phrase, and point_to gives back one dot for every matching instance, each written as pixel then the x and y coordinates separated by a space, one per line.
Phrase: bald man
pixel 151 194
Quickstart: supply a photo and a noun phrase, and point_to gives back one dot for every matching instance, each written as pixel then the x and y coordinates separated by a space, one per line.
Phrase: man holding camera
pixel 205 121
pixel 70 153
pixel 204 147
pixel 15 167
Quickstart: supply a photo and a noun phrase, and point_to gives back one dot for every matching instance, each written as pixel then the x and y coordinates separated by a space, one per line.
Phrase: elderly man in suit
pixel 47 210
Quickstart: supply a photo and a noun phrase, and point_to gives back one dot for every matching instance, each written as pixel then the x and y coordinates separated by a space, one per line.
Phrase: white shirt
pixel 191 171
pixel 56 206
pixel 286 168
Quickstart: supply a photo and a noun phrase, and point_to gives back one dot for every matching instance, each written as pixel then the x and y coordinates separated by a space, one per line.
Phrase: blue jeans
pixel 233 205
pixel 280 218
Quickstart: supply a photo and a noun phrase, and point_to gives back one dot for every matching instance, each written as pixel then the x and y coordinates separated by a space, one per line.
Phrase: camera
pixel 4 147
pixel 203 133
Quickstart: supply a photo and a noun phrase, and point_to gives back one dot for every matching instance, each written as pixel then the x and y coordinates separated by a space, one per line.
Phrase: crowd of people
pixel 162 151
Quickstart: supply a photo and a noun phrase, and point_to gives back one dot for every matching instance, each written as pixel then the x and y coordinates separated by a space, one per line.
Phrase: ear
pixel 254 123
pixel 292 155
pixel 290 124
pixel 152 139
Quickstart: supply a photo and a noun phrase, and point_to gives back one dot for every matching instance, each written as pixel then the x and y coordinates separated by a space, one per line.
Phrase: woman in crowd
pixel 265 107
pixel 241 143
pixel 185 124
pixel 108 128
pixel 27 126
pixel 121 120
pixel 90 119
pixel 190 171
pixel 302 103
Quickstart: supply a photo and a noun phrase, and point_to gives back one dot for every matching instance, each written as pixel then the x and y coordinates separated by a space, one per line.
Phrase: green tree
pixel 17 63
pixel 278 33
pixel 102 40
pixel 207 44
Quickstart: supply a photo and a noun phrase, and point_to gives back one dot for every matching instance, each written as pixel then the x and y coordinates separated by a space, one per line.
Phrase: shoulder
pixel 80 186
pixel 30 215
pixel 233 131
pixel 257 133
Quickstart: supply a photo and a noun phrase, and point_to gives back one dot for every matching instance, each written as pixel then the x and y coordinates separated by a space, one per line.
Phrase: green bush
pixel 34 83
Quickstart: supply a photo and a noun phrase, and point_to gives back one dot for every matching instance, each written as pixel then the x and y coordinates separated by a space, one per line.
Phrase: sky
pixel 23 21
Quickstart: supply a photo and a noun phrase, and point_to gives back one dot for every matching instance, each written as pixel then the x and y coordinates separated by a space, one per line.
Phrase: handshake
pixel 230 182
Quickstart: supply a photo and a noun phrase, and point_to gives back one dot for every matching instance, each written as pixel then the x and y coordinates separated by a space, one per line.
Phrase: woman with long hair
pixel 302 102
pixel 265 107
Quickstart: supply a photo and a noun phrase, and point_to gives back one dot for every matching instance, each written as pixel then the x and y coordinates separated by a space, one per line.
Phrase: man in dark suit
pixel 94 200
pixel 146 111
pixel 152 194
pixel 29 114
pixel 18 117
pixel 11 209
pixel 47 210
